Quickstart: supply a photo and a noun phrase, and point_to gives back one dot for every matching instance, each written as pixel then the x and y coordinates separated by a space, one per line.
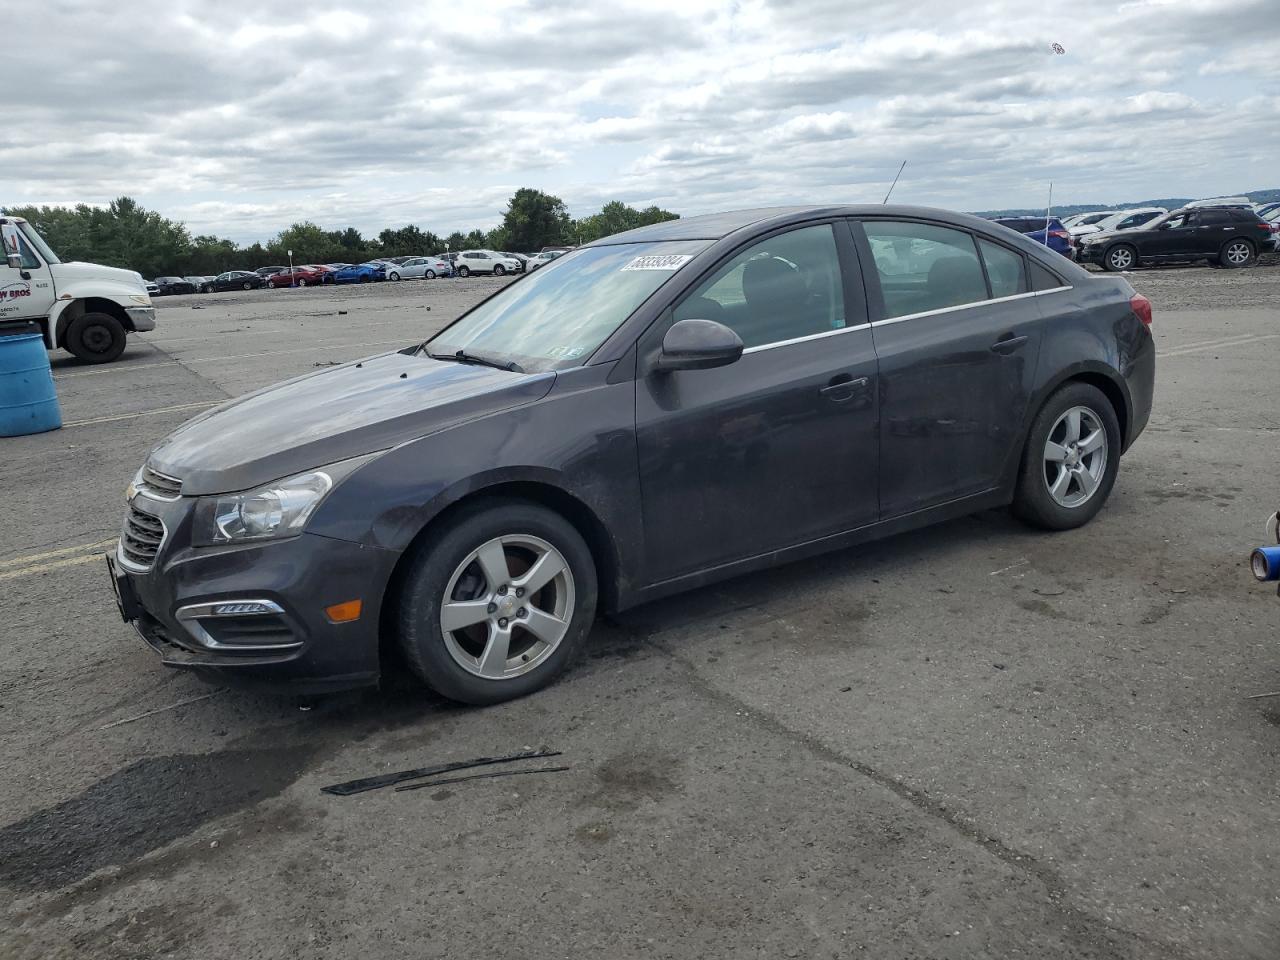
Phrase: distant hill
pixel 1169 203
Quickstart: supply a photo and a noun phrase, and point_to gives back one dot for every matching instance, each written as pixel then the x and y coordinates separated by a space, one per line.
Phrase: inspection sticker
pixel 671 261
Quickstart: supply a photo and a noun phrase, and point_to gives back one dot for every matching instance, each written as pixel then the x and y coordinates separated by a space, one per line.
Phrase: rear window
pixel 1042 278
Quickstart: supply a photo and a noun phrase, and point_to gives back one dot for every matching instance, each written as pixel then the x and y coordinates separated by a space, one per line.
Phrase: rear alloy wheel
pixel 1236 254
pixel 430 275
pixel 393 275
pixel 1120 257
pixel 247 285
pixel 496 606
pixel 464 271
pixel 95 338
pixel 302 283
pixel 499 269
pixel 1071 459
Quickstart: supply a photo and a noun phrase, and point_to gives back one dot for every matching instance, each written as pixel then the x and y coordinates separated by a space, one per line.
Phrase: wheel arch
pixel 548 495
pixel 74 309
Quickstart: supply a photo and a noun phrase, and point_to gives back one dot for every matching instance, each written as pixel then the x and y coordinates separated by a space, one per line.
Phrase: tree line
pixel 125 234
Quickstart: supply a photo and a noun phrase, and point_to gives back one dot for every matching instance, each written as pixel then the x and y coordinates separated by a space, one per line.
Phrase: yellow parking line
pixel 145 413
pixel 49 555
pixel 56 565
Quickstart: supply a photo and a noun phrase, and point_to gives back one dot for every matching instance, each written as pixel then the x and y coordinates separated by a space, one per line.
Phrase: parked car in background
pixel 519 258
pixel 1072 224
pixel 1227 236
pixel 1244 202
pixel 419 268
pixel 542 259
pixel 1119 220
pixel 361 273
pixel 1272 219
pixel 592 438
pixel 267 272
pixel 169 286
pixel 198 282
pixel 153 288
pixel 300 276
pixel 485 261
pixel 237 280
pixel 1059 240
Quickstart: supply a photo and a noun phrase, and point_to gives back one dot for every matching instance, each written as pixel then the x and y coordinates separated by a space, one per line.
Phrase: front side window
pixel 923 267
pixel 29 260
pixel 783 288
pixel 1004 269
pixel 557 317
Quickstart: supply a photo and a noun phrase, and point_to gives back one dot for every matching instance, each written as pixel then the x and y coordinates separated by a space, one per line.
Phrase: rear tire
pixel 1062 484
pixel 247 285
pixel 95 338
pixel 443 571
pixel 1236 254
pixel 464 271
pixel 430 275
pixel 1120 257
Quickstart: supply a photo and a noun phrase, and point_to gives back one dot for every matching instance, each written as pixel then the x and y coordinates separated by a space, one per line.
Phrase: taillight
pixel 1141 308
pixel 1060 234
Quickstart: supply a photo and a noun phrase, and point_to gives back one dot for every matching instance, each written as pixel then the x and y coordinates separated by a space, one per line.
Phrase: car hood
pixel 321 418
pixel 70 272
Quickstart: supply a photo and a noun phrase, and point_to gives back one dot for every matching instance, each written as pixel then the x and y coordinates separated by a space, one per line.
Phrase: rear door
pixel 957 335
pixel 780 447
pixel 1213 229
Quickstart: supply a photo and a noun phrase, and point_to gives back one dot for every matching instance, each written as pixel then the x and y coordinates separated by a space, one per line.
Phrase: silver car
pixel 419 268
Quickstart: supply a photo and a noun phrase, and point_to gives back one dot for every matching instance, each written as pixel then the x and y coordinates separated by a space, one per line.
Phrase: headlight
pixel 272 512
pixel 145 299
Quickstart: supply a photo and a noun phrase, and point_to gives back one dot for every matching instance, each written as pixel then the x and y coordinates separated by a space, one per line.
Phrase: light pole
pixel 293 281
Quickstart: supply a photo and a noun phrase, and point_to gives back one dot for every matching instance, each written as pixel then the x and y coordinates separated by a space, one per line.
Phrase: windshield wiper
pixel 463 357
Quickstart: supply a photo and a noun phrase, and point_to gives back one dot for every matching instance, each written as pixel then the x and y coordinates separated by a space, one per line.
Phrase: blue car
pixel 361 273
pixel 1033 227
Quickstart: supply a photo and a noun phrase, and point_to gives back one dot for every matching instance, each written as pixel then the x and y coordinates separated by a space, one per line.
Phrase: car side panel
pixel 579 439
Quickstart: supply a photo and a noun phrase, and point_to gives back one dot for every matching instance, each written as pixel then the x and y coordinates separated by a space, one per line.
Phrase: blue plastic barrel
pixel 28 401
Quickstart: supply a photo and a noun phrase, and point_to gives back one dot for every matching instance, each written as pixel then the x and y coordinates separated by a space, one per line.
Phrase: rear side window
pixel 1043 278
pixel 923 267
pixel 1215 217
pixel 1004 269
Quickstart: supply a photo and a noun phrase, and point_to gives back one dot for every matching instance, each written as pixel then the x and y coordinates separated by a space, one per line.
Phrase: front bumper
pixel 142 318
pixel 182 606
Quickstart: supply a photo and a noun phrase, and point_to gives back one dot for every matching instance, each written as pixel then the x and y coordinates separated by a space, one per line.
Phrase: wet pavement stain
pixel 140 808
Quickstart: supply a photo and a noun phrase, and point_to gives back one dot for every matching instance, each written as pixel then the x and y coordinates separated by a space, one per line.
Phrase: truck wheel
pixel 95 338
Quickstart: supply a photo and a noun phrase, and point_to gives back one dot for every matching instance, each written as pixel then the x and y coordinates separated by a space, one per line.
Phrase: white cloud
pixel 433 114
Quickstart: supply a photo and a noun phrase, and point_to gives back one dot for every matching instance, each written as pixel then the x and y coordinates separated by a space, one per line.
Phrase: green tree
pixel 456 241
pixel 408 241
pixel 616 217
pixel 309 243
pixel 534 219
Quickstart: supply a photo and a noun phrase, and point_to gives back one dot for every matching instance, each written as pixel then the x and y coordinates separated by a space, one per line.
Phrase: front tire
pixel 499 269
pixel 498 603
pixel 393 275
pixel 1120 257
pixel 96 338
pixel 1236 254
pixel 1071 459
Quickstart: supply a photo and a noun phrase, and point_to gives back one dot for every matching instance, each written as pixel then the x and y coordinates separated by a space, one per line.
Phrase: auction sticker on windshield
pixel 670 261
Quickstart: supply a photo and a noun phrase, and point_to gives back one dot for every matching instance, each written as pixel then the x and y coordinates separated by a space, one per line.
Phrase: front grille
pixel 159 485
pixel 141 538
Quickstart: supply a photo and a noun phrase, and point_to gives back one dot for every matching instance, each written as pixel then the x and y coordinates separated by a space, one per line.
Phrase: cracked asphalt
pixel 971 741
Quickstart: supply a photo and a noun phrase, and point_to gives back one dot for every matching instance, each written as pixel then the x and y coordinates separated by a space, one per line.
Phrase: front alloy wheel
pixel 496 601
pixel 1120 258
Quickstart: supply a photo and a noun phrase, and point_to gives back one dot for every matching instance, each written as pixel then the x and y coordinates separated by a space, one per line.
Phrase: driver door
pixel 26 292
pixel 780 447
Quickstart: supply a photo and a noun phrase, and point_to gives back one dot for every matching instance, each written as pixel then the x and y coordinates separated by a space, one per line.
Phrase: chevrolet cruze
pixel 652 412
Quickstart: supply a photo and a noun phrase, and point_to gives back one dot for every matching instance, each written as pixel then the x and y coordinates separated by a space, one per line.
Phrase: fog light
pixel 344 612
pixel 243 608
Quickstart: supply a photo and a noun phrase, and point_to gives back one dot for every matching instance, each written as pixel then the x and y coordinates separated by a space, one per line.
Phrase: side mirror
pixel 14 260
pixel 698 345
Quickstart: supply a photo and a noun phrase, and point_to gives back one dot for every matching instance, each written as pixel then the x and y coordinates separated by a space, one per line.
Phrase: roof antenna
pixel 895 183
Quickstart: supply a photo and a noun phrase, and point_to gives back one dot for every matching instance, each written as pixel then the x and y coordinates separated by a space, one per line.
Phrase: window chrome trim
pixel 967 306
pixel 811 336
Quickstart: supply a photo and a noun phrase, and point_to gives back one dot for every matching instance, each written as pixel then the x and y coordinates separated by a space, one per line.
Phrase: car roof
pixel 714 226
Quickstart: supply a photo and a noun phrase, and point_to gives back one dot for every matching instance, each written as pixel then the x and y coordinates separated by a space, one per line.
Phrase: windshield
pixel 37 241
pixel 558 316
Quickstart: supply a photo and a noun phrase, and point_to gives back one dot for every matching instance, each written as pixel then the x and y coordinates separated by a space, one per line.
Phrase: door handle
pixel 1008 344
pixel 843 387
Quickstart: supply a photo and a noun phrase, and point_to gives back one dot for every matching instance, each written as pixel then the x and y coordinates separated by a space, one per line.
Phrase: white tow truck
pixel 85 308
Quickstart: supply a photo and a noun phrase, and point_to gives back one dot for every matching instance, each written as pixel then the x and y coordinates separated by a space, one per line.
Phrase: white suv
pixel 485 261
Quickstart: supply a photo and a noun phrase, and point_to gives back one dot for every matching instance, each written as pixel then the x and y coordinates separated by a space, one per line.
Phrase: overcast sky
pixel 240 119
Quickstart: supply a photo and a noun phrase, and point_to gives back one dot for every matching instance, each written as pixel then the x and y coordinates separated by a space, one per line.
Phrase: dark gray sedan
pixel 650 413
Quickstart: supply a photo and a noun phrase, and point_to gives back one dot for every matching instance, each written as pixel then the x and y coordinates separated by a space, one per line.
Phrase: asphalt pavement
pixel 970 741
